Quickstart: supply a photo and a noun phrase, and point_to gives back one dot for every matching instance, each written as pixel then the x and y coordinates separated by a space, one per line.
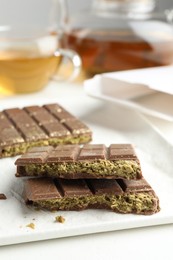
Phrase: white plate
pixel 110 125
pixel 148 91
pixel 163 127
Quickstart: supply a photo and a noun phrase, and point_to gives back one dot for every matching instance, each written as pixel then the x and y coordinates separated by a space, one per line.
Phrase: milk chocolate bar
pixel 75 162
pixel 121 196
pixel 35 126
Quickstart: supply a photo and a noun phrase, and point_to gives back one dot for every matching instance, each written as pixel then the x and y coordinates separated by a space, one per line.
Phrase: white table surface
pixel 142 243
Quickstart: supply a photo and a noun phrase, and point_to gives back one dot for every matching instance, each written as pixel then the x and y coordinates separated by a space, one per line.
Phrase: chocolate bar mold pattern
pixel 35 126
pixel 121 196
pixel 75 162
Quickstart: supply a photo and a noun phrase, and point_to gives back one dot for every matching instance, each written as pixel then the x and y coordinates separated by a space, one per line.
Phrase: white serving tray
pixel 149 91
pixel 110 124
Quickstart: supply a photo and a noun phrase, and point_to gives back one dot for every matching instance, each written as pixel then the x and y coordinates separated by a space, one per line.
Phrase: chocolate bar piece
pixel 2 196
pixel 122 196
pixel 75 162
pixel 35 126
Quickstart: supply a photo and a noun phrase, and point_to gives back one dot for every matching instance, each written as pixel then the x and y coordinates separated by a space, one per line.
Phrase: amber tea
pixel 103 51
pixel 28 65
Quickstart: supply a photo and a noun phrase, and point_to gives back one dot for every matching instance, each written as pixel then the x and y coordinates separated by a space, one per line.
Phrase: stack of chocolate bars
pixel 72 177
pixel 33 126
pixel 66 175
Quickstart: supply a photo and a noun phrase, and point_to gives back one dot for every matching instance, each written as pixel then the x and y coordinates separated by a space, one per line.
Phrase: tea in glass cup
pixel 30 51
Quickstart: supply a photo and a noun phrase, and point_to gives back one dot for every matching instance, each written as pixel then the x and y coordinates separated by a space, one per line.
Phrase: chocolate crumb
pixel 59 219
pixel 2 196
pixel 31 225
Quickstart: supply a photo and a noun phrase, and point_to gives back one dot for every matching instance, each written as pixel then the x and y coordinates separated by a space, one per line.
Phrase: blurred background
pixel 161 4
pixel 112 38
pixel 12 6
pixel 108 35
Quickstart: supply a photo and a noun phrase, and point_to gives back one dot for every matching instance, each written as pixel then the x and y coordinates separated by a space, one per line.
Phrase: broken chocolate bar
pixel 121 196
pixel 35 126
pixel 75 162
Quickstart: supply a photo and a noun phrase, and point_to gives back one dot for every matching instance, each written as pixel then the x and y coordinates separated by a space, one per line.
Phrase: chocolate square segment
pixel 104 186
pixel 25 125
pixel 60 113
pixel 4 122
pixel 35 157
pixel 64 153
pixel 32 110
pixel 32 132
pixel 55 129
pixel 74 188
pixel 41 189
pixel 133 185
pixel 19 116
pixel 10 136
pixel 40 149
pixel 93 152
pixel 40 114
pixel 75 126
pixel 122 151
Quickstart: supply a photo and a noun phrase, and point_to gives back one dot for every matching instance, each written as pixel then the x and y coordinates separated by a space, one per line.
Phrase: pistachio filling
pixel 122 168
pixel 22 147
pixel 70 140
pixel 138 203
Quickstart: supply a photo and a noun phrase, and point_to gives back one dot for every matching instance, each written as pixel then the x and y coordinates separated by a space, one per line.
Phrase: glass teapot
pixel 114 35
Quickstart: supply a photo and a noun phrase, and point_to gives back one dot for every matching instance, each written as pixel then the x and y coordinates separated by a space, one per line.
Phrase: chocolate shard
pixel 76 162
pixel 62 194
pixel 39 126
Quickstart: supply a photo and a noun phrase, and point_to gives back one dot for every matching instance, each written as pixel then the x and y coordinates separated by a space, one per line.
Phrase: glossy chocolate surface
pixel 35 126
pixel 60 194
pixel 75 161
